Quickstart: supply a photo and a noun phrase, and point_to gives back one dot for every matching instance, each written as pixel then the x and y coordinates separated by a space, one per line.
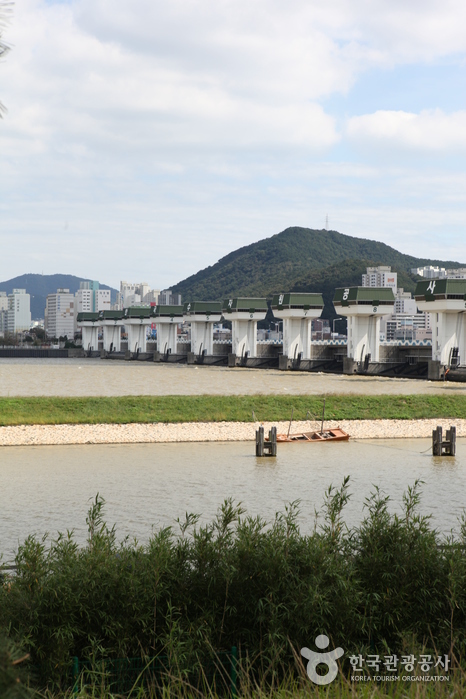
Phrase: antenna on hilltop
pixel 326 222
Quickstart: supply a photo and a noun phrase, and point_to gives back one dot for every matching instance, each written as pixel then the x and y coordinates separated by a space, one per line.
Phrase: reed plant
pixel 390 585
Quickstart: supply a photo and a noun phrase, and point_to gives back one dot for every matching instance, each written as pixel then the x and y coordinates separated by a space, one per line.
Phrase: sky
pixel 145 140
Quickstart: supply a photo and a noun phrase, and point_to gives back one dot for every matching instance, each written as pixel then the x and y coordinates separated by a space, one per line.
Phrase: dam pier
pixel 187 333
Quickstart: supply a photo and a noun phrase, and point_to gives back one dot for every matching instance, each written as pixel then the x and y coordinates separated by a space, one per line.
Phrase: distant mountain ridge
pixel 299 259
pixel 40 285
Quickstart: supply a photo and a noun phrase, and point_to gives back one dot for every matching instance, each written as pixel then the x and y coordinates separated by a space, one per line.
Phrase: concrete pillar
pixel 244 337
pixel 202 337
pixel 448 331
pixel 297 312
pixel 166 322
pixel 166 336
pixel 445 300
pixel 364 306
pixel 137 336
pixel 90 337
pixel 363 337
pixel 89 325
pixel 137 320
pixel 244 313
pixel 202 315
pixel 112 336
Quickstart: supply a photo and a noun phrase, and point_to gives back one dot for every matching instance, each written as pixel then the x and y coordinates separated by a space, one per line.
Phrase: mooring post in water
pixel 260 441
pixel 451 439
pixel 273 441
pixel 447 447
pixel 269 447
pixel 437 441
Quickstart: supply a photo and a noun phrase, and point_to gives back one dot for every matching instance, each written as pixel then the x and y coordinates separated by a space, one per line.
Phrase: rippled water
pixel 48 488
pixel 96 377
pixel 150 485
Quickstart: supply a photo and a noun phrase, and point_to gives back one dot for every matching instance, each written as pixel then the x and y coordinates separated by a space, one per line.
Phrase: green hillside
pixel 298 259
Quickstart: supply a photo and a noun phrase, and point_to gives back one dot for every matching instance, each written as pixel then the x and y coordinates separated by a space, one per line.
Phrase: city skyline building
pixel 60 314
pixel 90 298
pixel 381 276
pixel 430 272
pixel 140 294
pixel 19 311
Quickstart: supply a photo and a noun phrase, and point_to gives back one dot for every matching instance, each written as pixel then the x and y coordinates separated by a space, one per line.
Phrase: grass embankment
pixel 207 408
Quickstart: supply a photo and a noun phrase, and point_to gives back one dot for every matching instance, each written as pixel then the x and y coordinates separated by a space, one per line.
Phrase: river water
pixel 96 377
pixel 49 489
pixel 150 485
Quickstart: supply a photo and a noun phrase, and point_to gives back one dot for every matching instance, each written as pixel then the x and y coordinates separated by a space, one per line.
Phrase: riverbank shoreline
pixel 139 433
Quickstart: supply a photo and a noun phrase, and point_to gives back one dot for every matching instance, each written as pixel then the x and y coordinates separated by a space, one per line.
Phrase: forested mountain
pixel 299 259
pixel 38 286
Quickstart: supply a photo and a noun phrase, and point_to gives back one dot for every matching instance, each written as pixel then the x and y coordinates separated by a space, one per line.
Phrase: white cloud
pixel 170 123
pixel 429 131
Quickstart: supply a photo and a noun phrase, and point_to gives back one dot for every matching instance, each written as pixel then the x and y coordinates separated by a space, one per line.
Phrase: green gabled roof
pixel 364 295
pixel 167 311
pixel 111 315
pixel 138 312
pixel 89 317
pixel 430 289
pixel 304 301
pixel 247 305
pixel 204 307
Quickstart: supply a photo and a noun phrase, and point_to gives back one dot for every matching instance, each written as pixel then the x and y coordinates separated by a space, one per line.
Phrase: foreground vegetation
pixel 454 689
pixel 390 586
pixel 207 408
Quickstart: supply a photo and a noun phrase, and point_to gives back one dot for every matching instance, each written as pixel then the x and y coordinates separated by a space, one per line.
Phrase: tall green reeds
pixel 391 585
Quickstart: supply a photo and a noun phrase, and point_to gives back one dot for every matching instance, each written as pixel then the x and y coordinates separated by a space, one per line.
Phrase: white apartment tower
pixel 380 276
pixel 3 313
pixel 91 299
pixel 60 314
pixel 19 311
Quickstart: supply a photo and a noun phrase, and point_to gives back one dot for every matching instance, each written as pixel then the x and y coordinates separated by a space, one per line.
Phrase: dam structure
pixel 363 307
pixel 297 312
pixel 445 300
pixel 201 315
pixel 244 313
pixel 187 333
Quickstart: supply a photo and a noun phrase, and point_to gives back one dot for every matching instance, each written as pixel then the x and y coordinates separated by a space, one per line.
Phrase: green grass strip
pixel 126 409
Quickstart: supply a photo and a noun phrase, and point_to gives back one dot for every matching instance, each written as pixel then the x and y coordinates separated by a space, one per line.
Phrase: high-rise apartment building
pixel 140 294
pixel 430 272
pixel 404 302
pixel 19 311
pixel 168 298
pixel 137 294
pixel 406 321
pixel 90 298
pixel 3 312
pixel 380 276
pixel 60 314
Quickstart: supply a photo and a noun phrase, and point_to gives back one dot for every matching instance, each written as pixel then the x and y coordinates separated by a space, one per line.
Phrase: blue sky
pixel 145 140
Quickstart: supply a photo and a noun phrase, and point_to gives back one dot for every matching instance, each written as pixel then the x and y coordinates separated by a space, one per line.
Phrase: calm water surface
pixel 96 377
pixel 150 485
